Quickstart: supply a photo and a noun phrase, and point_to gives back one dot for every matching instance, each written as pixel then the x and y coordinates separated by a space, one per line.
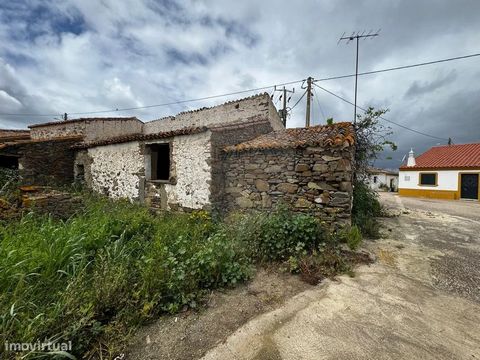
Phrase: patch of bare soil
pixel 189 335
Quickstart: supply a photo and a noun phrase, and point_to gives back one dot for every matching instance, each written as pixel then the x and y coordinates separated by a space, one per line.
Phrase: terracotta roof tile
pixel 140 137
pixel 334 135
pixel 448 156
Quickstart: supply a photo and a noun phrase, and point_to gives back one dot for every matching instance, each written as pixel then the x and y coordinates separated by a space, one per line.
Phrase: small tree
pixel 371 140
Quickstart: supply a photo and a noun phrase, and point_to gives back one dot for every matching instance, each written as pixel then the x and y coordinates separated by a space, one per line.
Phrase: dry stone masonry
pixel 313 176
pixel 233 156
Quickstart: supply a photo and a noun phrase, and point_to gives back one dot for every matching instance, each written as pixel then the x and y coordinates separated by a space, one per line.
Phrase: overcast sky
pixel 61 56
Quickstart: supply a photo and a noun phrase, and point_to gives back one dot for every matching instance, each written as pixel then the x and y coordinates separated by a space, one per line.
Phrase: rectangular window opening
pixel 160 161
pixel 428 179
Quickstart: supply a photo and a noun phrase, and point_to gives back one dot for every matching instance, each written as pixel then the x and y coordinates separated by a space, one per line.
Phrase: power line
pixel 301 97
pixel 381 117
pixel 318 103
pixel 244 91
pixel 164 104
pixel 399 67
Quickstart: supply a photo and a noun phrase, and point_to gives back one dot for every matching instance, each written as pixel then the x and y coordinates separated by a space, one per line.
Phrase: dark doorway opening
pixel 160 161
pixel 9 162
pixel 469 186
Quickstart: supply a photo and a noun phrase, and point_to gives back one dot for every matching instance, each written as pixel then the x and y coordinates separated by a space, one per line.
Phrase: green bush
pixel 279 234
pixel 366 208
pixel 103 272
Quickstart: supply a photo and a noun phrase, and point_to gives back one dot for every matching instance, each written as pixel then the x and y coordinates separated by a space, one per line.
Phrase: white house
pixel 443 172
pixel 383 179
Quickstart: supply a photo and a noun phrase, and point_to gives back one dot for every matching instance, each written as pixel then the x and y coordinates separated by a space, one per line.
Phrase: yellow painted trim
pixel 427 173
pixel 430 193
pixel 459 192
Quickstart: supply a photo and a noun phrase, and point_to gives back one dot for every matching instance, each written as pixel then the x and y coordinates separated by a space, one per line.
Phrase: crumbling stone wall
pixel 313 180
pixel 230 112
pixel 46 162
pixel 44 200
pixel 91 129
pixel 222 137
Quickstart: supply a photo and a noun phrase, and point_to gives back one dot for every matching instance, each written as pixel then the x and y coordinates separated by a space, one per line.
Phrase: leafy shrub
pixel 277 235
pixel 366 208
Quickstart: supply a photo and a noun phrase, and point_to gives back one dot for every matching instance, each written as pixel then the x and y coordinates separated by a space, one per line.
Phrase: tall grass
pixel 105 271
pixel 94 278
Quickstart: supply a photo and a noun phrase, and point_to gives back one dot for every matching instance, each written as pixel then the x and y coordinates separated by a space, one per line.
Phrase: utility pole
pixel 284 91
pixel 357 36
pixel 309 97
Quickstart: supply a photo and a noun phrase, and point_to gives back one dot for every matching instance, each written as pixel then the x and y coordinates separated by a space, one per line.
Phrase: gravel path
pixel 420 300
pixel 451 228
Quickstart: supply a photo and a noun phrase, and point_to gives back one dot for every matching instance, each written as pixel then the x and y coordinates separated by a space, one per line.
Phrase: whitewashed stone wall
pixel 116 170
pixel 234 111
pixel 191 189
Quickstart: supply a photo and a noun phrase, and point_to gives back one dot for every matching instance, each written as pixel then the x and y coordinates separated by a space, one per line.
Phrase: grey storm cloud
pixel 75 56
pixel 420 88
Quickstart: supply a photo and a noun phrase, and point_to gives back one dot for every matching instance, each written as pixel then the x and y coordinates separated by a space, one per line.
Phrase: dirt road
pixel 420 300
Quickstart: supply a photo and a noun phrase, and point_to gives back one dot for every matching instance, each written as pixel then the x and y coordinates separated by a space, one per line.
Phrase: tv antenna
pixel 357 36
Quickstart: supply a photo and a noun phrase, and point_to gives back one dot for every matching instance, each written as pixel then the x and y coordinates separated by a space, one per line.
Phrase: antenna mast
pixel 357 36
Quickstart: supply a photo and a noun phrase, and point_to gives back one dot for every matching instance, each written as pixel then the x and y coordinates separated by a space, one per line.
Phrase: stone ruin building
pixel 237 155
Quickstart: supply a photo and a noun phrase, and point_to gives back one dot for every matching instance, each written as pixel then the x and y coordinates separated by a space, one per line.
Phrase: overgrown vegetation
pixel 94 278
pixel 8 182
pixel 366 209
pixel 107 270
pixel 372 139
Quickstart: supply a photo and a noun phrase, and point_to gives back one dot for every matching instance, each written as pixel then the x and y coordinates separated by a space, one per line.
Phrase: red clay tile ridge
pixel 340 134
pixel 140 137
pixel 461 156
pixel 59 122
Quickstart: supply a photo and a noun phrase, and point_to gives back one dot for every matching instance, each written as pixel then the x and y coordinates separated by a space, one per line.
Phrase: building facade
pixel 382 179
pixel 443 172
pixel 237 155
